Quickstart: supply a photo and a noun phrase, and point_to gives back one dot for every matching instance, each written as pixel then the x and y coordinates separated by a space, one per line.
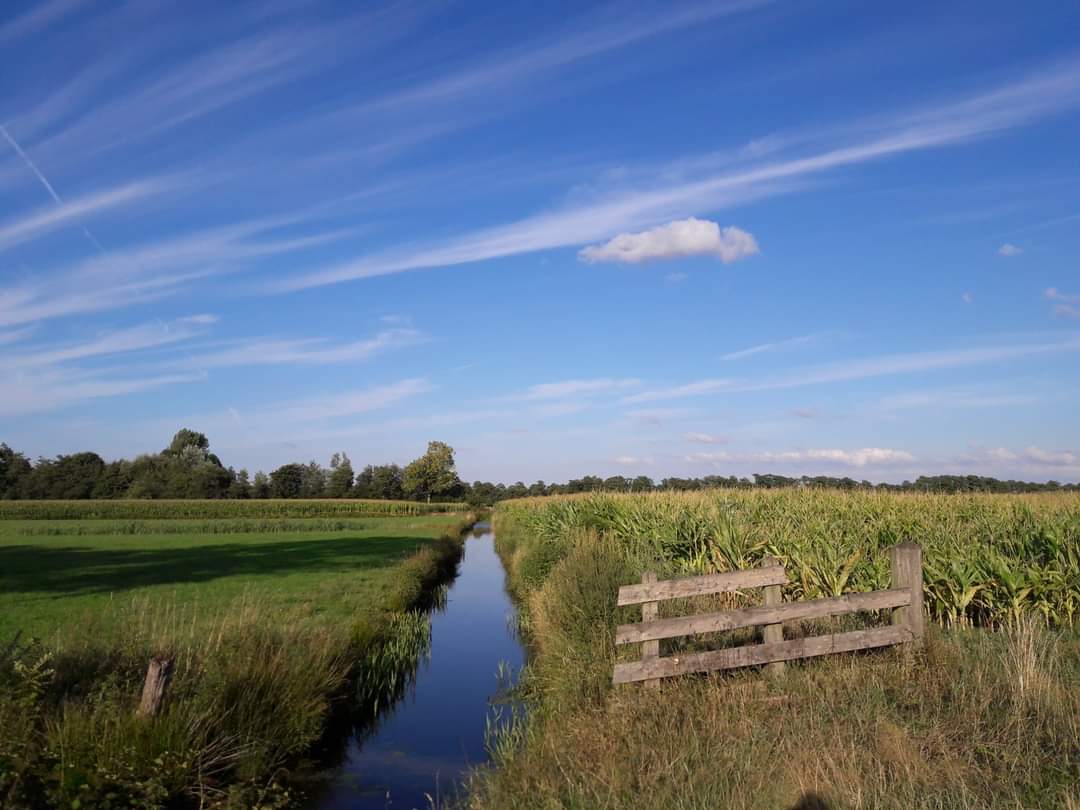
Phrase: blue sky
pixel 662 239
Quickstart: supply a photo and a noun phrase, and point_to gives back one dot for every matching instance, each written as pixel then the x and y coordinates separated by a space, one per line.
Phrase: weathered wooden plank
pixel 906 560
pixel 757 616
pixel 649 612
pixel 757 654
pixel 773 633
pixel 700 586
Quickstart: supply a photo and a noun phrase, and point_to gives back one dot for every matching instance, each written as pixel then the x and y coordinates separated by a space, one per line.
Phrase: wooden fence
pixel 905 599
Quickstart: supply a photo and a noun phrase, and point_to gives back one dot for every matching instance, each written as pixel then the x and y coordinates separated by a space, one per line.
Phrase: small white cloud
pixel 1063 458
pixel 804 413
pixel 675 278
pixel 704 438
pixel 1067 304
pixel 1030 460
pixel 709 457
pixel 204 319
pixel 862 457
pixel 967 298
pixel 676 240
pixel 1009 249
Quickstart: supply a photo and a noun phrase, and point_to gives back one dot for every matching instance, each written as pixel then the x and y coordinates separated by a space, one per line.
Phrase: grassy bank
pixel 276 636
pixel 982 717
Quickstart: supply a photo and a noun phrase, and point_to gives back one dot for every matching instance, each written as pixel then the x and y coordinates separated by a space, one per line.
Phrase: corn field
pixel 986 558
pixel 187 509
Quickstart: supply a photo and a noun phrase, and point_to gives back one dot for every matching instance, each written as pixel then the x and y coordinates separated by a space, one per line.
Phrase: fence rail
pixel 904 599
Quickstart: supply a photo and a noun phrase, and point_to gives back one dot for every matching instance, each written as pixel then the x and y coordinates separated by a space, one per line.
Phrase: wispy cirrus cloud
pixel 331 415
pixel 762 348
pixel 339 405
pixel 32 391
pixel 33 226
pixel 308 351
pixel 1043 94
pixel 50 376
pixel 1009 249
pixel 38 18
pixel 574 388
pixel 15 335
pixel 691 389
pixel 532 63
pixel 152 270
pixel 122 341
pixel 866 368
pixel 157 99
pixel 954 398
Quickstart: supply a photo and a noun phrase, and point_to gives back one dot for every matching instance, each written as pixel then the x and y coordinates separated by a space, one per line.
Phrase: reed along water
pixel 423 745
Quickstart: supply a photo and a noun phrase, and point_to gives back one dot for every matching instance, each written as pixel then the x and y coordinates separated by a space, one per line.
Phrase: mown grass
pixel 277 638
pixel 52 586
pixel 978 718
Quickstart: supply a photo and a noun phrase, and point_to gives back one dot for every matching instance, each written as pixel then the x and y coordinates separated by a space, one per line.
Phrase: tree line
pixel 188 469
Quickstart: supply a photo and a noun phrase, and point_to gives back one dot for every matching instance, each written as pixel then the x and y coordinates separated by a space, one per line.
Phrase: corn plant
pixel 988 559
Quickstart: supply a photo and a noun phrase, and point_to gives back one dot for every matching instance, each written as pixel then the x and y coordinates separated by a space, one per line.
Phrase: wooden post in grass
pixel 774 597
pixel 906 560
pixel 158 676
pixel 650 611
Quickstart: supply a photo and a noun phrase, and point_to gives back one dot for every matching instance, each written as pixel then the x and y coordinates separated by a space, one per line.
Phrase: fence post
pixel 158 675
pixel 650 611
pixel 774 596
pixel 906 560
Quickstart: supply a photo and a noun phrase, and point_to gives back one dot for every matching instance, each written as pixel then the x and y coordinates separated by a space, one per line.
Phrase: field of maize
pixel 987 558
pixel 216 509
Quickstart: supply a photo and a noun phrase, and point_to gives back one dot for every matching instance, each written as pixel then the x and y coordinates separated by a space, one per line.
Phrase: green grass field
pixel 54 584
pixel 283 619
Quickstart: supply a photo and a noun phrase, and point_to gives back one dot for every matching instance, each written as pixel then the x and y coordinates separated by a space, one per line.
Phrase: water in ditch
pixel 425 743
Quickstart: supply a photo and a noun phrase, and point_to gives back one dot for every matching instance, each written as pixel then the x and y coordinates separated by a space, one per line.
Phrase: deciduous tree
pixel 433 475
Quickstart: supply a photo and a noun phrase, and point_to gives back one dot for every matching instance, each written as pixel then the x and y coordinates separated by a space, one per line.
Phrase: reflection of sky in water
pixel 438 730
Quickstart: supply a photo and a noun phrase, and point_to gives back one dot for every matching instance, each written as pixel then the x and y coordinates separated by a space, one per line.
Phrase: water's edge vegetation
pixel 256 706
pixel 981 717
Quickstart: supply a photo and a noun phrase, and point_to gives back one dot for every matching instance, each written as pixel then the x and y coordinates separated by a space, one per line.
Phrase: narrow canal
pixel 426 742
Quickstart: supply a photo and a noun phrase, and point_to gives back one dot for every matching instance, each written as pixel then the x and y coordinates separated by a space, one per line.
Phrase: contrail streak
pixel 44 181
pixel 30 164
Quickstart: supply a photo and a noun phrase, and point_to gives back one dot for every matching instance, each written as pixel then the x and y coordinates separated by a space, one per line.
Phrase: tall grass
pixel 208 509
